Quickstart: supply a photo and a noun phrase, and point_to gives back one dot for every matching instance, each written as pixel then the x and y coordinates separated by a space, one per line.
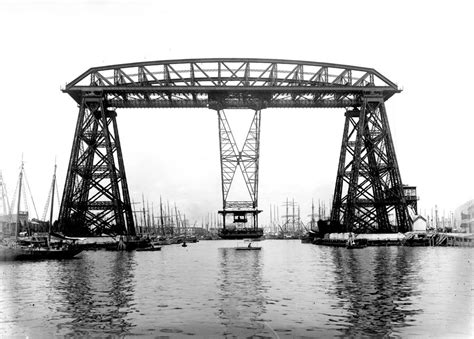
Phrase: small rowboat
pixel 354 245
pixel 149 248
pixel 248 246
pixel 245 248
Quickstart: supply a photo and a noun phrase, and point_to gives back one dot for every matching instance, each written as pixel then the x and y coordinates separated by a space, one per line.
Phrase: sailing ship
pixel 311 233
pixel 35 248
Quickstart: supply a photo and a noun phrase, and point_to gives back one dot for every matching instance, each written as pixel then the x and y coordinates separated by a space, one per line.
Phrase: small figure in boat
pixel 350 240
pixel 121 244
pixel 250 245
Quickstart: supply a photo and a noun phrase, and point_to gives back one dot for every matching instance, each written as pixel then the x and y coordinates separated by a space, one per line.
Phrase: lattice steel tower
pixel 368 185
pixel 96 198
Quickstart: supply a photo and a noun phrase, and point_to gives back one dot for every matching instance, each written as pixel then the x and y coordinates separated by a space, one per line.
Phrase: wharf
pixel 439 239
pixel 460 239
pixel 94 243
pixel 411 239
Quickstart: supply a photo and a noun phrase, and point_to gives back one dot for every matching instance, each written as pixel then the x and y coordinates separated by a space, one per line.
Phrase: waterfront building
pixel 464 217
pixel 419 224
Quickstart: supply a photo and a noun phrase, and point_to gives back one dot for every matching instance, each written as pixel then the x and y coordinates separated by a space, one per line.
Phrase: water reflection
pixel 376 287
pixel 97 296
pixel 240 289
pixel 287 289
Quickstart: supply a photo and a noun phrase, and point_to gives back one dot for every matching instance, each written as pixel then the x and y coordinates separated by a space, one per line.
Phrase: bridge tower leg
pixel 247 159
pixel 369 195
pixel 96 198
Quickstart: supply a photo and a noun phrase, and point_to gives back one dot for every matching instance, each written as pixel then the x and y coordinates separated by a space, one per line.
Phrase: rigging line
pixel 46 207
pixel 54 185
pixel 24 197
pixel 5 195
pixel 57 194
pixel 31 195
pixel 13 202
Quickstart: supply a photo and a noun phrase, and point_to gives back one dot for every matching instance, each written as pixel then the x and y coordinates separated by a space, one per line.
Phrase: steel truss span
pixel 368 184
pixel 231 83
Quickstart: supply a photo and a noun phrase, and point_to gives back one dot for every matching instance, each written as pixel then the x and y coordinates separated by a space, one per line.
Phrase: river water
pixel 208 289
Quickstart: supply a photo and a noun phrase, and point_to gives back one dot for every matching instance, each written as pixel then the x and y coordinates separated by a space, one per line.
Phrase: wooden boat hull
pixel 149 249
pixel 350 247
pixel 248 248
pixel 22 253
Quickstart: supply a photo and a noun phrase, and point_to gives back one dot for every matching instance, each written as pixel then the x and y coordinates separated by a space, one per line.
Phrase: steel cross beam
pixel 96 198
pixel 247 159
pixel 236 82
pixel 368 184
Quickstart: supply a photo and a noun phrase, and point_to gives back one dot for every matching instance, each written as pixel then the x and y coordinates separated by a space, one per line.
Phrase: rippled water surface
pixel 208 289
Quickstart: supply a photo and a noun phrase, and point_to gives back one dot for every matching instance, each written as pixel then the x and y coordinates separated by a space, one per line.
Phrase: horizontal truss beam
pixel 187 80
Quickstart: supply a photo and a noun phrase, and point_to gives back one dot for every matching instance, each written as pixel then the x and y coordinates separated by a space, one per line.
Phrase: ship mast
pixel 144 214
pixel 17 225
pixel 52 204
pixel 161 219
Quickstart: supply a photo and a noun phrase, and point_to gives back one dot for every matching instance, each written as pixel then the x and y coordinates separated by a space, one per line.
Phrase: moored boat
pixel 350 247
pixel 35 248
pixel 14 251
pixel 150 248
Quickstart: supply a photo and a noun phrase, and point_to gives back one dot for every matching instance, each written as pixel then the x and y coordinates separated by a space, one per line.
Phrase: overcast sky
pixel 423 46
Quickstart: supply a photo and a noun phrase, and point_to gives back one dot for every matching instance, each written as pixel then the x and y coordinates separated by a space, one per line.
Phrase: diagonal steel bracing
pixel 96 198
pixel 368 196
pixel 246 159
